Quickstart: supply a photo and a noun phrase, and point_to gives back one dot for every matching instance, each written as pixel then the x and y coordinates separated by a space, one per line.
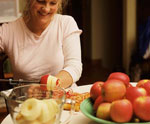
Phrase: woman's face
pixel 43 10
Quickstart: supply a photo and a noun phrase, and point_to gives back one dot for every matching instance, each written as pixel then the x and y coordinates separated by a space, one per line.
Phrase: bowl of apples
pixel 118 101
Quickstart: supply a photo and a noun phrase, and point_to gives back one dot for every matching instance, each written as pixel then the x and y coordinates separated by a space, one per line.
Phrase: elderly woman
pixel 43 42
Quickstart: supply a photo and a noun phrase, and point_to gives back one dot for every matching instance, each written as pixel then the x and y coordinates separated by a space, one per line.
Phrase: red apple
pixel 95 90
pixel 146 86
pixel 120 76
pixel 141 107
pixel 121 111
pixel 133 92
pixel 97 102
pixel 113 89
pixel 141 82
pixel 103 111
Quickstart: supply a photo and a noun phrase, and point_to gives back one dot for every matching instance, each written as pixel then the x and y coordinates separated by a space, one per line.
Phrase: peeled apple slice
pixel 45 113
pixel 31 109
pixel 52 106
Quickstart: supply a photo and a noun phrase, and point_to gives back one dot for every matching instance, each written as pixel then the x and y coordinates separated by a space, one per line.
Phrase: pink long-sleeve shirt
pixel 31 56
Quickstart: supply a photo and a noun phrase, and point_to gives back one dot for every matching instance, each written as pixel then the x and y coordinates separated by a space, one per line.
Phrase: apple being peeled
pixel 44 79
pixel 95 90
pixel 141 107
pixel 50 81
pixel 121 111
pixel 133 92
pixel 120 76
pixel 103 111
pixel 113 89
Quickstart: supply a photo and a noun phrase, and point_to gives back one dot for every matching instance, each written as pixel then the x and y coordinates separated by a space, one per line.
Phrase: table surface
pixel 77 118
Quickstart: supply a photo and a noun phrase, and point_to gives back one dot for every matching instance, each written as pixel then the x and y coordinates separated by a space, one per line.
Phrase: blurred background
pixel 110 40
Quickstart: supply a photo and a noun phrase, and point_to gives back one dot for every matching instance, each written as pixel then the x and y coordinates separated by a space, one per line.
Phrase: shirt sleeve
pixel 72 55
pixel 72 50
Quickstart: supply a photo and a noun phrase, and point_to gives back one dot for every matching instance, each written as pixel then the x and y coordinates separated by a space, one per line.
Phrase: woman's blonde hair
pixel 29 4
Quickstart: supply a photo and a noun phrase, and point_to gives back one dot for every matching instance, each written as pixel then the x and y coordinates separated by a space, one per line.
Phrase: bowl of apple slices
pixel 36 104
